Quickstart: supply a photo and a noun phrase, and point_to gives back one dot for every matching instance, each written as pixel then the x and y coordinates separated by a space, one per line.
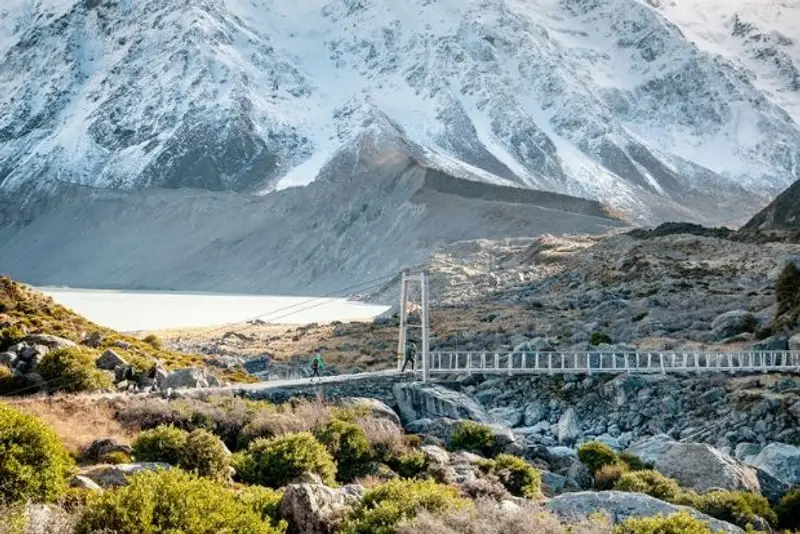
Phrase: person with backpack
pixel 317 365
pixel 410 356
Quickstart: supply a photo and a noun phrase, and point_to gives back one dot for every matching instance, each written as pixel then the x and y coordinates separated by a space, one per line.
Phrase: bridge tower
pixel 423 355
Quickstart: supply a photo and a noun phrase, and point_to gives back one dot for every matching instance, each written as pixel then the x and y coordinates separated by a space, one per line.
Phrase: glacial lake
pixel 130 311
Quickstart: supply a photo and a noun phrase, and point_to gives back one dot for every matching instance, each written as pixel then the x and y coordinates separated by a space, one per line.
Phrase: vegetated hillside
pixel 783 213
pixel 26 313
pixel 374 210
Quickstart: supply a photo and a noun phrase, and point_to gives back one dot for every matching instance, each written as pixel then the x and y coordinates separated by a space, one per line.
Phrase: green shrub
pixel 519 477
pixel 154 341
pixel 410 464
pixel 595 455
pixel 115 458
pixel 200 452
pixel 680 523
pixel 607 476
pixel 787 288
pixel 10 335
pixel 599 338
pixel 34 465
pixel 650 483
pixel 8 384
pixel 788 510
pixel 634 463
pixel 265 501
pixel 277 461
pixel 72 369
pixel 349 446
pixel 172 501
pixel 205 455
pixel 736 507
pixel 389 504
pixel 161 444
pixel 472 436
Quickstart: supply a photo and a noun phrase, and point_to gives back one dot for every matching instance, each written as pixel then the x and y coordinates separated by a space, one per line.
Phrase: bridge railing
pixel 611 362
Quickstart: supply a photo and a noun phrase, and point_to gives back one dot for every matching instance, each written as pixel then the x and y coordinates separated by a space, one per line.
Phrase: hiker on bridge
pixel 410 356
pixel 317 365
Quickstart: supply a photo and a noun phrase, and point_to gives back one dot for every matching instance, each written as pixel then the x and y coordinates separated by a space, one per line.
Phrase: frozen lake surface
pixel 129 311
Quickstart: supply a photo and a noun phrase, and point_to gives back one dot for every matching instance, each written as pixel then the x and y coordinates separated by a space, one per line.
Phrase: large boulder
pixel 733 323
pixel 430 401
pixel 619 506
pixel 101 447
pixel 702 468
pixel 781 461
pixel 650 449
pixel 317 509
pixel 535 413
pixel 508 415
pixel 51 342
pixel 117 475
pixel 189 378
pixel 376 408
pixel 110 360
pixel 568 428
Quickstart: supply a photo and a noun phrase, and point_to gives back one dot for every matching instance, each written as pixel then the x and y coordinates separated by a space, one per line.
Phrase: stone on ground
pixel 430 401
pixel 780 460
pixel 701 467
pixel 317 509
pixel 117 475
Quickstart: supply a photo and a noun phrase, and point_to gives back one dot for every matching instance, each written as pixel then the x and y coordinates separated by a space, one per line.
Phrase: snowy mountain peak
pixel 660 109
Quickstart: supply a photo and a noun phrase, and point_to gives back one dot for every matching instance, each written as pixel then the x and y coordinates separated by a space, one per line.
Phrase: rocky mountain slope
pixel 628 102
pixel 782 214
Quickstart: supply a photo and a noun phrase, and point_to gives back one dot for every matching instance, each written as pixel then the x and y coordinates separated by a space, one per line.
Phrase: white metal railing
pixel 610 362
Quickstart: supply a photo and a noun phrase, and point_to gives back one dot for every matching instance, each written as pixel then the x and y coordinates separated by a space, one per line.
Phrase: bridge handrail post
pixel 589 362
pixel 550 363
pixel 469 363
pixel 510 363
pixel 627 363
pixel 661 358
pixel 496 361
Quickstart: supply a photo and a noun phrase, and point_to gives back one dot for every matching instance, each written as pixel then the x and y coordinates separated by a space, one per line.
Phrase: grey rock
pixel 428 401
pixel 8 359
pixel 317 509
pixel 619 506
pixel 82 482
pixel 117 475
pixel 794 342
pixel 535 412
pixel 435 455
pixel 733 323
pixel 780 460
pixel 187 378
pixel 568 428
pixel 779 342
pixel 772 488
pixel 110 360
pixel 553 484
pixel 509 416
pixel 610 441
pixel 650 449
pixel 51 342
pixel 746 451
pixel 214 382
pixel 702 468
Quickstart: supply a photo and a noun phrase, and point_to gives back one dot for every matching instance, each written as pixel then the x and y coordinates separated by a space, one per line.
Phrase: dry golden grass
pixel 384 435
pixel 77 421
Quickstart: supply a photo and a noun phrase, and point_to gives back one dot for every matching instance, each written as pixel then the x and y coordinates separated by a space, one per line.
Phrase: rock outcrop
pixel 312 508
pixel 429 401
pixel 620 506
pixel 701 467
pixel 780 460
pixel 117 475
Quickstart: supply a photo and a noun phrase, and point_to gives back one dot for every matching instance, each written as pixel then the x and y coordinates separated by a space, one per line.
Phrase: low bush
pixel 650 483
pixel 519 477
pixel 175 502
pixel 265 501
pixel 410 464
pixel 277 461
pixel 161 444
pixel 205 455
pixel 154 341
pixel 349 446
pixel 115 458
pixel 788 510
pixel 383 508
pixel 200 451
pixel 599 338
pixel 72 369
pixel 595 455
pixel 472 436
pixel 34 465
pixel 607 476
pixel 737 507
pixel 680 523
pixel 7 382
pixel 10 335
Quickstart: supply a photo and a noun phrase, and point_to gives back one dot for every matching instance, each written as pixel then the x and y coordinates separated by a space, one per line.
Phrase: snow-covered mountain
pixel 681 110
pixel 659 109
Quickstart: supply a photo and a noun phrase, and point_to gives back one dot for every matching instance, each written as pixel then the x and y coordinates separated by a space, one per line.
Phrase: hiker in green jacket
pixel 317 365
